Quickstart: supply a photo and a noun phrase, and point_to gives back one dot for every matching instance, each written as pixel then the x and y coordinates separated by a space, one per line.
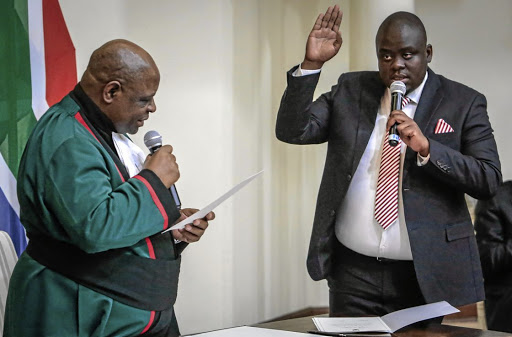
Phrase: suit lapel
pixel 369 103
pixel 431 97
pixel 430 100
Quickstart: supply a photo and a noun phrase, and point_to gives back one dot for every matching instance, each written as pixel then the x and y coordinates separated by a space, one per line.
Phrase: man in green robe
pixel 96 263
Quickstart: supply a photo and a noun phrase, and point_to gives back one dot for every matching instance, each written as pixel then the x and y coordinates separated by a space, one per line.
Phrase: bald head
pixel 400 21
pixel 117 60
pixel 122 79
pixel 402 50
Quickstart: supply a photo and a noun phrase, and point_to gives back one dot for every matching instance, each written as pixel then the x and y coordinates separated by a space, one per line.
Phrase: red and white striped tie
pixel 386 196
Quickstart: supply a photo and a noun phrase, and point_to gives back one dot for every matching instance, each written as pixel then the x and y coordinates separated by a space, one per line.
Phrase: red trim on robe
pixel 151 319
pixel 148 241
pixel 81 120
pixel 150 249
pixel 155 199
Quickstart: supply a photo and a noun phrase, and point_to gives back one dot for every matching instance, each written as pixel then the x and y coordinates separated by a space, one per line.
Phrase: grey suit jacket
pixel 438 222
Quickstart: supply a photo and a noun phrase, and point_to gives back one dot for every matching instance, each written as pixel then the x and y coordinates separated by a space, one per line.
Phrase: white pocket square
pixel 443 127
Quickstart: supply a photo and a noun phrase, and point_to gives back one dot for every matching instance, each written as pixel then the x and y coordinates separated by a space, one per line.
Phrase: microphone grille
pixel 398 86
pixel 152 138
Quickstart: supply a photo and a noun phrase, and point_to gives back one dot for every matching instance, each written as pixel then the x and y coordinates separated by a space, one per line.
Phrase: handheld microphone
pixel 397 89
pixel 153 141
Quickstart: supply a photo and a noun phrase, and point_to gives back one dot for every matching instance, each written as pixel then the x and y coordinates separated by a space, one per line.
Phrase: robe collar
pixel 96 117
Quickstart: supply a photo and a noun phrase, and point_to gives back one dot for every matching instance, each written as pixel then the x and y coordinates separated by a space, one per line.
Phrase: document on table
pixel 387 323
pixel 202 213
pixel 247 331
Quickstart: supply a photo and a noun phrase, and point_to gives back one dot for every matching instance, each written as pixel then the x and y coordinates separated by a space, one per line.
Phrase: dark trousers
pixel 360 285
pixel 498 307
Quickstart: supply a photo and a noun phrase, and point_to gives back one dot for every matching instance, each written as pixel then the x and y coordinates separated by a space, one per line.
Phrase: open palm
pixel 325 40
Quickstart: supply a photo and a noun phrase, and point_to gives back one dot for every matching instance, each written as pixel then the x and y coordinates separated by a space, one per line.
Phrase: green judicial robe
pixel 93 266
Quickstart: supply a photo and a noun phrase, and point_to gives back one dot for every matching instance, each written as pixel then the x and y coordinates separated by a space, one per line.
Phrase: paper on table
pixel 350 324
pixel 398 319
pixel 387 323
pixel 247 331
pixel 202 213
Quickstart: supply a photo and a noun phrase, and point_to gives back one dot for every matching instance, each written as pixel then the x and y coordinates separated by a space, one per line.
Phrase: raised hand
pixel 325 40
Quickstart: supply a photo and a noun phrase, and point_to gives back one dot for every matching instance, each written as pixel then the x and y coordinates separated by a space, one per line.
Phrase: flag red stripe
pixel 59 53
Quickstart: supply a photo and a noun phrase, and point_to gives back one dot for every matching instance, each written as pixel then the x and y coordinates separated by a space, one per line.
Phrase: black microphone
pixel 153 142
pixel 397 89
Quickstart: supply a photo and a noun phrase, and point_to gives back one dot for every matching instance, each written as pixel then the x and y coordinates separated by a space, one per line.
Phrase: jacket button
pixel 332 212
pixel 349 177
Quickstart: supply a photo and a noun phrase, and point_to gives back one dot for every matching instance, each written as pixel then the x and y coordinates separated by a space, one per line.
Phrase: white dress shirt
pixel 130 154
pixel 356 227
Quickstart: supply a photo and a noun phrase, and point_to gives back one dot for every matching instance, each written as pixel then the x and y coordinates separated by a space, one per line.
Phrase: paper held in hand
pixel 387 323
pixel 247 331
pixel 202 213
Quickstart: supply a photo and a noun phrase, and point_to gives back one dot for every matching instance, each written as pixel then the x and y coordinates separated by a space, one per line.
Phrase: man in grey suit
pixel 427 252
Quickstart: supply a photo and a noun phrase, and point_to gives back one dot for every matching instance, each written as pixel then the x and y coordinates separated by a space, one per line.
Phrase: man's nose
pixel 398 63
pixel 152 106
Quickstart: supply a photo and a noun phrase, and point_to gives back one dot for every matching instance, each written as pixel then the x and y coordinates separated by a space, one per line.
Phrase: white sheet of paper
pixel 398 319
pixel 247 331
pixel 202 213
pixel 350 324
pixel 387 323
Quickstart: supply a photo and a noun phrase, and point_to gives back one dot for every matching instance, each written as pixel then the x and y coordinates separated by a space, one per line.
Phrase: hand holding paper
pixel 202 213
pixel 193 232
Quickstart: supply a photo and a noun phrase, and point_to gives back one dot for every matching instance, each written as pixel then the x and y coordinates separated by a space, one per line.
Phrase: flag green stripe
pixel 16 116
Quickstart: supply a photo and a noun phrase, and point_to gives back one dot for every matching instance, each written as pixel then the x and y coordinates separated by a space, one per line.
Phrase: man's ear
pixel 110 91
pixel 430 53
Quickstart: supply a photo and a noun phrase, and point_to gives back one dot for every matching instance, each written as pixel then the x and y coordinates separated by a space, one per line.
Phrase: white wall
pixel 222 65
pixel 472 44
